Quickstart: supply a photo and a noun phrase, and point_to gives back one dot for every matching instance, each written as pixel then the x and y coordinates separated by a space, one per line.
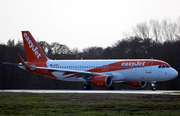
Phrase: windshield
pixel 163 66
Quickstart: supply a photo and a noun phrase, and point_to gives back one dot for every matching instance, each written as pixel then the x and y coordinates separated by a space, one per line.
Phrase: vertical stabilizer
pixel 32 49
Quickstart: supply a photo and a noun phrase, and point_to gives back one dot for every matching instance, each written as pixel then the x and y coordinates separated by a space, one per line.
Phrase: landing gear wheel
pixel 86 87
pixel 154 88
pixel 153 84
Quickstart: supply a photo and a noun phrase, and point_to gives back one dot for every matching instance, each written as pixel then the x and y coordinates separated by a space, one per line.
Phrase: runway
pixel 167 92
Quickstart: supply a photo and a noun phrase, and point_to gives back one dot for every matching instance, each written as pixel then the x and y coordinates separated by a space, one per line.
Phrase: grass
pixel 46 104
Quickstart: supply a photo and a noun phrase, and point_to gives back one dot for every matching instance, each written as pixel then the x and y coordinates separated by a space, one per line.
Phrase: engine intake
pixel 101 81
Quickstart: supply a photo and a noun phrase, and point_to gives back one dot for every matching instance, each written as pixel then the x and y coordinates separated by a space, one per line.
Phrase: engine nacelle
pixel 136 84
pixel 101 81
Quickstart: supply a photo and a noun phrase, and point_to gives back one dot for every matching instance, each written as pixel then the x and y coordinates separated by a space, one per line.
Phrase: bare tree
pixel 156 30
pixel 92 52
pixel 75 52
pixel 11 43
pixel 20 44
pixel 44 46
pixel 177 34
pixel 60 51
pixel 168 30
pixel 141 30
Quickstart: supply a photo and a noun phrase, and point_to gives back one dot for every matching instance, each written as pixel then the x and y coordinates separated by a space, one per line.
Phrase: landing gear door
pixel 149 66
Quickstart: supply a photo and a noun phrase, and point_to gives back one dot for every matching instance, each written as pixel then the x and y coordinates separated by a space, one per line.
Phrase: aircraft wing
pixel 70 71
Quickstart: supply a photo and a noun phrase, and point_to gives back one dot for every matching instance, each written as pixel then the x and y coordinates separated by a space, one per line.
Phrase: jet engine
pixel 136 84
pixel 101 81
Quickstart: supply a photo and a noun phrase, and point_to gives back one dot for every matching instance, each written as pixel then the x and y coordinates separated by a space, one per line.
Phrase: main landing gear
pixel 153 84
pixel 110 87
pixel 86 87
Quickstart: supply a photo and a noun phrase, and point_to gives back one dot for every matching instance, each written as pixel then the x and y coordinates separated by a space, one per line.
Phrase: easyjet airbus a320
pixel 102 73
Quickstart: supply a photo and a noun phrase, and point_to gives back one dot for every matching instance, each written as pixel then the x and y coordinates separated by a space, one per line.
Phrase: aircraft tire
pixel 86 87
pixel 154 88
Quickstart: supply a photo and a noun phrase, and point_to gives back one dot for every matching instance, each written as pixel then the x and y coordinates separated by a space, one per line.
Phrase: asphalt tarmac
pixel 172 92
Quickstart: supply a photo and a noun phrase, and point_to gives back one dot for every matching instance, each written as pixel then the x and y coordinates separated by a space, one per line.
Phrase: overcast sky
pixel 80 23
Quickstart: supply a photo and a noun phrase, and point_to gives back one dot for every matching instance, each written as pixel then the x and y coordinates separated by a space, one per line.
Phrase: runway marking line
pixel 100 91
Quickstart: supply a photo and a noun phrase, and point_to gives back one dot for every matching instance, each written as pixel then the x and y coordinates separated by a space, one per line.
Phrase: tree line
pixel 157 40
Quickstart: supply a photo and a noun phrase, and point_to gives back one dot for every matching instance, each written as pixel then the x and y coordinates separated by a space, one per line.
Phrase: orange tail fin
pixel 32 49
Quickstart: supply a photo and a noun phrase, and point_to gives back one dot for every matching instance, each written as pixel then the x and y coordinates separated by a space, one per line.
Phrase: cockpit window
pixel 167 66
pixel 163 66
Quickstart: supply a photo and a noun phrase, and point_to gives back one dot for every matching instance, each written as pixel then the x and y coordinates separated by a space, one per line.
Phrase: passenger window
pixel 159 66
pixel 163 66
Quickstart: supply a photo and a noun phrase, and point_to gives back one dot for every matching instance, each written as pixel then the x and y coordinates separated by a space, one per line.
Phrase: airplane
pixel 102 73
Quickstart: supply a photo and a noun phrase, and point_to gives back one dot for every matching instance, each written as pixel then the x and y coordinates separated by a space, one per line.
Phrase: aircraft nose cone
pixel 174 73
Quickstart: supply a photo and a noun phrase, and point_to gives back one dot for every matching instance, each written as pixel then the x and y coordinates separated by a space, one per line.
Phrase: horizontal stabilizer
pixel 32 67
pixel 12 64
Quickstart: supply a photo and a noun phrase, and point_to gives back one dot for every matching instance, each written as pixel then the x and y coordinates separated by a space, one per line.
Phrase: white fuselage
pixel 119 71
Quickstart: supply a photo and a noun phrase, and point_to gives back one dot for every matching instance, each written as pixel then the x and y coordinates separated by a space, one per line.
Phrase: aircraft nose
pixel 174 73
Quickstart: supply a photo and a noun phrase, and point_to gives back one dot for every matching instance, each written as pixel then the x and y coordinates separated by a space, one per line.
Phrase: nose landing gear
pixel 153 84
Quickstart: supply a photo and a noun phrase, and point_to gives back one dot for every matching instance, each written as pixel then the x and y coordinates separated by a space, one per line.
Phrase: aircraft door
pixel 149 66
